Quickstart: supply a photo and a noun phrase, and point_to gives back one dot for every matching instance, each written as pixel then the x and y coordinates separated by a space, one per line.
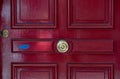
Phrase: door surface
pixel 88 29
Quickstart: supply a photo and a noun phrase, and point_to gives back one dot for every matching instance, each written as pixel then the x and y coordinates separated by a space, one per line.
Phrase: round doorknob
pixel 4 33
pixel 62 46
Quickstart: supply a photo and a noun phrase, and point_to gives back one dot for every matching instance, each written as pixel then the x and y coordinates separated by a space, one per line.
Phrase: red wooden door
pixel 89 27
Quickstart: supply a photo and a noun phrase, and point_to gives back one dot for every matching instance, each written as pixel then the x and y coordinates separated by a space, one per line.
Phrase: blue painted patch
pixel 24 46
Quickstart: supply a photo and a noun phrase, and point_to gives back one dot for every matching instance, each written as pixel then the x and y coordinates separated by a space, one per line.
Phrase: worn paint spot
pixel 24 46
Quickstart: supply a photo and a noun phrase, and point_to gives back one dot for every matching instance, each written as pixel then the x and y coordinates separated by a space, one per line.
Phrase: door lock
pixel 62 46
pixel 4 33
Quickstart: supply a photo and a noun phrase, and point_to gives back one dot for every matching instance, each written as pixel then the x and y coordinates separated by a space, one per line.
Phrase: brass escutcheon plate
pixel 62 46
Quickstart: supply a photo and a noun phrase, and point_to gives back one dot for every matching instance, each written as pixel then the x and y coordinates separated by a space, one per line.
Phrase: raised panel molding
pixel 103 46
pixel 34 71
pixel 90 71
pixel 90 13
pixel 32 45
pixel 33 13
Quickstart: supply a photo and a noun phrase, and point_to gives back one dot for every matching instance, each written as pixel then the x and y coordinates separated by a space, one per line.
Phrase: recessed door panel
pixel 34 14
pixel 90 71
pixel 30 71
pixel 90 13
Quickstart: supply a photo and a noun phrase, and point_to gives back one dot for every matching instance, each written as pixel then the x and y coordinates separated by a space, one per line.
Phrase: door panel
pixel 30 71
pixel 37 14
pixel 93 71
pixel 90 28
pixel 30 45
pixel 90 13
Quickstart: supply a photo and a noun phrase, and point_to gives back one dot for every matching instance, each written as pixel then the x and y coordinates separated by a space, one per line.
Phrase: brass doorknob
pixel 62 46
pixel 4 33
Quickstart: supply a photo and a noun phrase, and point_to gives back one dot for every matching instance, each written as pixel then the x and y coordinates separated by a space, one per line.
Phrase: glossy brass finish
pixel 4 33
pixel 62 46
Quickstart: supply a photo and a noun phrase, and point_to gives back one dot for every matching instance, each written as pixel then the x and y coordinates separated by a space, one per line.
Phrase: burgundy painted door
pixel 90 30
